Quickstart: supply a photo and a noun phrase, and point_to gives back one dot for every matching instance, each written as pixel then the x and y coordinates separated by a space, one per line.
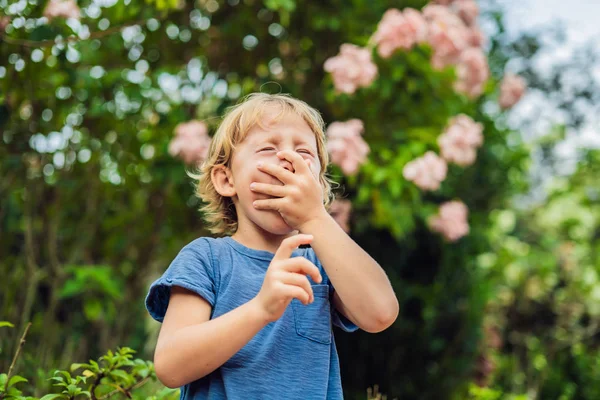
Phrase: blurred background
pixel 464 135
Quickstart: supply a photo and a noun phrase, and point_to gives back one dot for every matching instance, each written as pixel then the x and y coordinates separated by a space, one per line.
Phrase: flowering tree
pixel 114 101
pixel 432 164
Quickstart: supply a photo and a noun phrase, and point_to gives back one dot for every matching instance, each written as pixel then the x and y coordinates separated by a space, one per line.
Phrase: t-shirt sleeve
pixel 191 269
pixel 337 318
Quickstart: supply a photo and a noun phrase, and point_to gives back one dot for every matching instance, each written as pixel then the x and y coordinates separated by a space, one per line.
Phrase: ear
pixel 222 180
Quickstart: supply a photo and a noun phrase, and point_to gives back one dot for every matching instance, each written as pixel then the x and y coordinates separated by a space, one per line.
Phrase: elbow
pixel 165 374
pixel 385 318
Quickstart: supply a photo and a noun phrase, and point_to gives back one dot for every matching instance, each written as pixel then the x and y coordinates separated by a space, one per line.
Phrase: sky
pixel 580 19
pixel 579 16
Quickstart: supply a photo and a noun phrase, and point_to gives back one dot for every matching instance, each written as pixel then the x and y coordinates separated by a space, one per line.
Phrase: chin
pixel 274 224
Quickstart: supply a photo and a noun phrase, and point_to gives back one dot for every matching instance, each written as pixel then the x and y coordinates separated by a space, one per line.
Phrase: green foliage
pixel 8 388
pixel 479 393
pixel 544 269
pixel 93 207
pixel 97 287
pixel 163 4
pixel 115 374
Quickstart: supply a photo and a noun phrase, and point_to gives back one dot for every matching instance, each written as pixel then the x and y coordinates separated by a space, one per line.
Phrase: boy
pixel 227 330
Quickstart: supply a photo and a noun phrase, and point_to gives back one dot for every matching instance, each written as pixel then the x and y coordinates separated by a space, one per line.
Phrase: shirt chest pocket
pixel 313 321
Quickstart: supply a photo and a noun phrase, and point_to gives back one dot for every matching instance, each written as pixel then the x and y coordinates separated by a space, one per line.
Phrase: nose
pixel 287 165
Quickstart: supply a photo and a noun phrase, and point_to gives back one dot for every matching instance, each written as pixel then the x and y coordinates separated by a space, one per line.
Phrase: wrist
pixel 312 224
pixel 258 312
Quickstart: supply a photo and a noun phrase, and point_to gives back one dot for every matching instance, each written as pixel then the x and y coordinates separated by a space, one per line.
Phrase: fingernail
pixel 259 164
pixel 252 185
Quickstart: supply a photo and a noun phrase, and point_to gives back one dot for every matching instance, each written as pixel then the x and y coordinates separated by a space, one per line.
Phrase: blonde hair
pixel 219 211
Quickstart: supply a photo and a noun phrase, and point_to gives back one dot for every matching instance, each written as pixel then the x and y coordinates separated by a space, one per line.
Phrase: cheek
pixel 253 174
pixel 315 167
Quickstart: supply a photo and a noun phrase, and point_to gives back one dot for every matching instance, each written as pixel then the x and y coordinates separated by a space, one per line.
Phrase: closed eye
pixel 305 152
pixel 267 149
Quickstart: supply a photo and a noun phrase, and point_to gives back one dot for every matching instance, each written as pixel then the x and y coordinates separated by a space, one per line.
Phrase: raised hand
pixel 300 199
pixel 286 279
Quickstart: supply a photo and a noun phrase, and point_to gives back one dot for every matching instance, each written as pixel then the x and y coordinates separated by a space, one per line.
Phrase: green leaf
pixel 73 390
pixel 13 392
pixel 119 374
pixel 76 366
pixel 275 5
pixel 6 323
pixel 54 396
pixel 92 308
pixel 379 175
pixel 16 379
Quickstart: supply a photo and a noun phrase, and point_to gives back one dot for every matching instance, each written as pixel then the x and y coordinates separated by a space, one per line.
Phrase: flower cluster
pixel 4 21
pixel 451 221
pixel 512 89
pixel 459 142
pixel 351 69
pixel 399 30
pixel 346 146
pixel 191 142
pixel 427 172
pixel 450 27
pixel 62 9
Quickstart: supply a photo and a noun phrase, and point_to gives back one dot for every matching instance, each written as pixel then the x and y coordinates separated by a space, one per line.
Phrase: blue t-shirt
pixel 292 358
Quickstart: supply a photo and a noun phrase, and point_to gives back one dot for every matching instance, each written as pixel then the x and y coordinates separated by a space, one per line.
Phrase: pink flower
pixel 62 9
pixel 451 221
pixel 448 35
pixel 459 142
pixel 427 172
pixel 352 68
pixel 476 37
pixel 191 142
pixel 347 148
pixel 467 10
pixel 472 72
pixel 399 30
pixel 4 21
pixel 340 210
pixel 511 90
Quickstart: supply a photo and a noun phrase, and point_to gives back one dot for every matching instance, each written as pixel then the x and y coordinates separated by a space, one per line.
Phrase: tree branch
pixel 72 38
pixel 14 361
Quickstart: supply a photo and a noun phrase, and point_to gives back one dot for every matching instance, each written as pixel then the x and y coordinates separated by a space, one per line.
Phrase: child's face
pixel 291 132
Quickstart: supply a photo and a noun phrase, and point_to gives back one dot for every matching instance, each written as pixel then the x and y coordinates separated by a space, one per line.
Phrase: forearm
pixel 197 350
pixel 360 282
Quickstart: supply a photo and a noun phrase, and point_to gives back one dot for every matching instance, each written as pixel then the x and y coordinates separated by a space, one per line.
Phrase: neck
pixel 253 236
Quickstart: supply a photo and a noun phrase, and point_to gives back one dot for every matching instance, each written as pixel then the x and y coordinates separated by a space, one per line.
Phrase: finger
pixel 277 171
pixel 268 204
pixel 301 265
pixel 292 291
pixel 296 159
pixel 291 278
pixel 272 190
pixel 288 245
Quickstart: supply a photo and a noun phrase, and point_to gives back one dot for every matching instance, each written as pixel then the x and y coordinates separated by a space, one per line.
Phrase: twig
pixel 72 38
pixel 95 385
pixel 125 391
pixel 14 361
